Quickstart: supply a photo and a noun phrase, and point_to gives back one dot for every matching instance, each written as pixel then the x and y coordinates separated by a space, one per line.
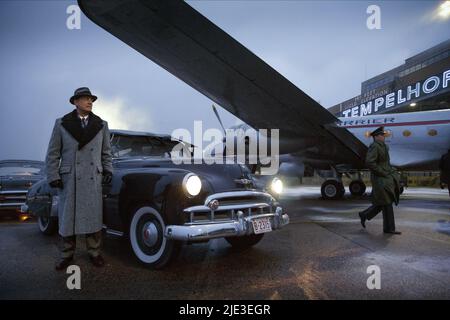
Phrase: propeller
pixel 218 118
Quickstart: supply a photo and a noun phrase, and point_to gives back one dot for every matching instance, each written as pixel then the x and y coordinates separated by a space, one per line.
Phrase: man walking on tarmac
pixel 385 183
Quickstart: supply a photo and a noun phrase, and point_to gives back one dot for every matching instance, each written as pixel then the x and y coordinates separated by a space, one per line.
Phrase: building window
pixel 425 63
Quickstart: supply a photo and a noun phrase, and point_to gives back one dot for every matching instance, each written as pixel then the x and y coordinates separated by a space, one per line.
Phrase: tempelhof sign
pixel 412 92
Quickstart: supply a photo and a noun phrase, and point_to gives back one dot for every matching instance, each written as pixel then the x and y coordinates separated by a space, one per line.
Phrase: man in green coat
pixel 385 183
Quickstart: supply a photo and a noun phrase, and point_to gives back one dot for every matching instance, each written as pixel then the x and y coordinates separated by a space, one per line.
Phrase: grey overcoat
pixel 78 157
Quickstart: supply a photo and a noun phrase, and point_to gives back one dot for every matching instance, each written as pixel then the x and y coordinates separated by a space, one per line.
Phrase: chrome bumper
pixel 11 205
pixel 239 225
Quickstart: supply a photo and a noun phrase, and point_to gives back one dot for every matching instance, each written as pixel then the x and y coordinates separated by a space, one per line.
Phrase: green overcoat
pixel 385 179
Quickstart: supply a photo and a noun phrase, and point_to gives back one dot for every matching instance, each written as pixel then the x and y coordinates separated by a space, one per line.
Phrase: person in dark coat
pixel 78 161
pixel 444 166
pixel 385 183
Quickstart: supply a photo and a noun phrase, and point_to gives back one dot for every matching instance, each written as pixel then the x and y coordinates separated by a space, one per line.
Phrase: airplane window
pixel 432 132
pixel 367 134
pixel 388 133
pixel 406 133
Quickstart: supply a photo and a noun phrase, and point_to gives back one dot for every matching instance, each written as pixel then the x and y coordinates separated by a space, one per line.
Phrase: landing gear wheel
pixel 146 234
pixel 244 241
pixel 357 188
pixel 332 189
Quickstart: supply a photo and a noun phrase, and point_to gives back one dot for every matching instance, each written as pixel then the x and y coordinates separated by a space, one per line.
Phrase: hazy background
pixel 323 47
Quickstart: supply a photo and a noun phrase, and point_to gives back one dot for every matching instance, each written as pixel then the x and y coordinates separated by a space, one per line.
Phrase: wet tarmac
pixel 323 254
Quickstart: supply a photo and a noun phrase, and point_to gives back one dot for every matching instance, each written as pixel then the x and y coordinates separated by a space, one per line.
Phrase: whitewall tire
pixel 146 234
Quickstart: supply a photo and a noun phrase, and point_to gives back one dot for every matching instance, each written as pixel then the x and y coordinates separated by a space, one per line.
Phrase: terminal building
pixel 421 83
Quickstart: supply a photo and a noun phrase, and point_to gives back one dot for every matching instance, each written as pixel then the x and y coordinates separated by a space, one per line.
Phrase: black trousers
pixel 388 216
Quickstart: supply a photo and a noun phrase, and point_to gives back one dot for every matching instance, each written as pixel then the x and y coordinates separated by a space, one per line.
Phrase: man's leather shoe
pixel 393 232
pixel 363 219
pixel 97 261
pixel 63 263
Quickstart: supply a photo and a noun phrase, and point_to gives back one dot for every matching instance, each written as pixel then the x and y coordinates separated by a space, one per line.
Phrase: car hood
pixel 219 177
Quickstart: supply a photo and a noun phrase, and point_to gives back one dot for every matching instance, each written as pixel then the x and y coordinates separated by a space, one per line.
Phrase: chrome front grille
pixel 231 204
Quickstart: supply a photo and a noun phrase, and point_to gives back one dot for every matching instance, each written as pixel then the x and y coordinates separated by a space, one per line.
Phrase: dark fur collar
pixel 72 123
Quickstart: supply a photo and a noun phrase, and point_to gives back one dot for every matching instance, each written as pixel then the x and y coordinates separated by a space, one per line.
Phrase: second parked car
pixel 16 177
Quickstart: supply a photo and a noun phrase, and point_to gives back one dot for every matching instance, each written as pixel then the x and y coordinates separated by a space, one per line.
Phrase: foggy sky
pixel 322 47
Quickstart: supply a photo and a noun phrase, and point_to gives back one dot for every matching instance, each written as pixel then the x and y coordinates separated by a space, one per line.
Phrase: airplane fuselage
pixel 416 140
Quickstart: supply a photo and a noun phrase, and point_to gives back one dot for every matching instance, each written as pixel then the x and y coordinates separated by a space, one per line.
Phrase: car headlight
pixel 192 184
pixel 276 185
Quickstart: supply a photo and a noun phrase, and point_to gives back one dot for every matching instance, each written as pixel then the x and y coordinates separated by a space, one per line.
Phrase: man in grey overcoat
pixel 78 161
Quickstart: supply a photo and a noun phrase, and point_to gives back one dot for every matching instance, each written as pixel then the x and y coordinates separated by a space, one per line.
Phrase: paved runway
pixel 323 254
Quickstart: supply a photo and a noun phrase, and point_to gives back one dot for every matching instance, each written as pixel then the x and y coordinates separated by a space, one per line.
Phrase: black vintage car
pixel 16 177
pixel 159 205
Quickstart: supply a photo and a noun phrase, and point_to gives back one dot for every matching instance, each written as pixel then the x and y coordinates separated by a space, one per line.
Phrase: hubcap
pixel 330 190
pixel 150 234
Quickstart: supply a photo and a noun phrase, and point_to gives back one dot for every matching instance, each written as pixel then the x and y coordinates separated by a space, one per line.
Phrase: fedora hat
pixel 82 92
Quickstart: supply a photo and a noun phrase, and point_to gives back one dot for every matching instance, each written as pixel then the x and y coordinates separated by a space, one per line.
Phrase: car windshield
pixel 144 146
pixel 20 169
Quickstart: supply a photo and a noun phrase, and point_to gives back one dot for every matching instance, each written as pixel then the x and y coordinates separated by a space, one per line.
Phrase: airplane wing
pixel 188 45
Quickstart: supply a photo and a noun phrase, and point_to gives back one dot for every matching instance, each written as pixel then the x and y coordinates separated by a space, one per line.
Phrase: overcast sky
pixel 324 48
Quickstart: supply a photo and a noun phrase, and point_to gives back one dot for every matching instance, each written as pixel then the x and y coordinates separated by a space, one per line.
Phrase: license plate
pixel 261 225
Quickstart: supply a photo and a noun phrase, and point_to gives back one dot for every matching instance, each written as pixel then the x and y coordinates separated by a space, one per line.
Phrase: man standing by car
pixel 385 183
pixel 78 161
